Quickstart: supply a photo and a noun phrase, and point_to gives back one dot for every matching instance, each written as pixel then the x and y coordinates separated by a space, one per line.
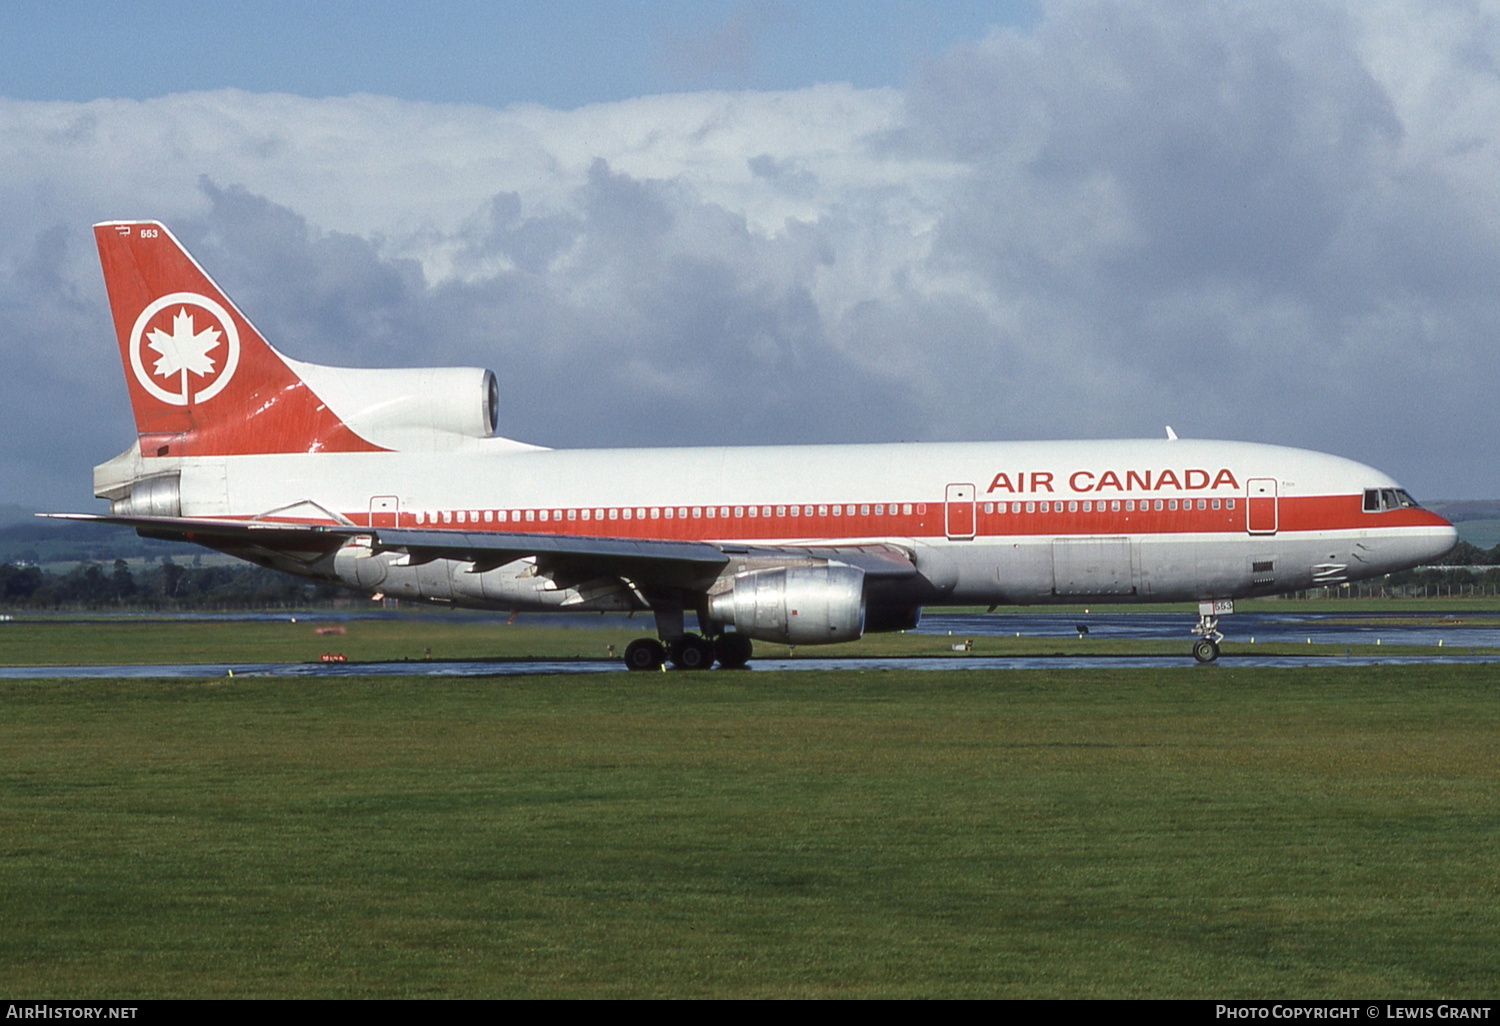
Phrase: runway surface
pixel 1454 639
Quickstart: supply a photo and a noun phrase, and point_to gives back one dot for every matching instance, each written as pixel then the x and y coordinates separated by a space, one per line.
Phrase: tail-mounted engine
pixel 159 495
pixel 422 408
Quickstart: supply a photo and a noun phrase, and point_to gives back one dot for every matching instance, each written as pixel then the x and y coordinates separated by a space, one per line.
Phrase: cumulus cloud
pixel 1266 221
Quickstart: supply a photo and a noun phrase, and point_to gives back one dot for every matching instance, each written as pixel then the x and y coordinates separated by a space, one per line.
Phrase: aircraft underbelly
pixel 1093 566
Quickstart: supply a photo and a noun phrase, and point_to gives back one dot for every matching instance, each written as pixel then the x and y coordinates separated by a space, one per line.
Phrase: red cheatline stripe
pixel 1061 518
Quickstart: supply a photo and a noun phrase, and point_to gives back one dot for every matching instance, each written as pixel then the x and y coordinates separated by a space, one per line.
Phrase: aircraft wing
pixel 565 558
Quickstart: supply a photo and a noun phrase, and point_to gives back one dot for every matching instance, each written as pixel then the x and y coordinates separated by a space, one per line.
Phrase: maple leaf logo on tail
pixel 184 330
pixel 184 350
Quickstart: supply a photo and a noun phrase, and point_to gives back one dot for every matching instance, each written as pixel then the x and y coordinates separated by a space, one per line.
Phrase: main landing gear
pixel 1206 648
pixel 683 649
pixel 689 652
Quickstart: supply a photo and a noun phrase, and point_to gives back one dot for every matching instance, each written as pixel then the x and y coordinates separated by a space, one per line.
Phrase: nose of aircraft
pixel 1441 537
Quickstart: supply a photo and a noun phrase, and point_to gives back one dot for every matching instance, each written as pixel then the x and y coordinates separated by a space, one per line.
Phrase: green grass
pixel 61 643
pixel 1197 832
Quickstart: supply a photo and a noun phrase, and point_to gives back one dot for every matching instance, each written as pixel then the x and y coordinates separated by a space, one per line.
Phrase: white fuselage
pixel 1007 523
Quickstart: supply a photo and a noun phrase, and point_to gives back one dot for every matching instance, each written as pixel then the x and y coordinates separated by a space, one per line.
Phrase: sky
pixel 672 223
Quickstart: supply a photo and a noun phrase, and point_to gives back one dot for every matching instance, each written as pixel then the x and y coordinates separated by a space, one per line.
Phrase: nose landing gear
pixel 1206 648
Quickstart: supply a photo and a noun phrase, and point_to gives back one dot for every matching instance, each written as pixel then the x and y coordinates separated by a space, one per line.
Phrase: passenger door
pixel 1262 511
pixel 959 512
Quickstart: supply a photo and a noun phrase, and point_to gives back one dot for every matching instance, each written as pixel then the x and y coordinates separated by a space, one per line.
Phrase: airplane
pixel 394 482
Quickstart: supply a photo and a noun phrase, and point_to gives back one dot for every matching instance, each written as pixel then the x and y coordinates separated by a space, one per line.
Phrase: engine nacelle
pixel 157 496
pixel 799 605
pixel 417 408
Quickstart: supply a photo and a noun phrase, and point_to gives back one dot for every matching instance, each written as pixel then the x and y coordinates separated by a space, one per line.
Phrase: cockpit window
pixel 1378 499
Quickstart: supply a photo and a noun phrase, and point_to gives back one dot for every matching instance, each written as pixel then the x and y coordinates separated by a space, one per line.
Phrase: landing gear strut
pixel 1206 648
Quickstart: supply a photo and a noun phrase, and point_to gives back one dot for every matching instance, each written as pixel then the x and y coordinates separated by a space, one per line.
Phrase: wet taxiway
pixel 514 668
pixel 1456 638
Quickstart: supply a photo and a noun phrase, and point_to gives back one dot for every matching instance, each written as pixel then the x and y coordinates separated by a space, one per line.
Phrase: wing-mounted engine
pixel 795 605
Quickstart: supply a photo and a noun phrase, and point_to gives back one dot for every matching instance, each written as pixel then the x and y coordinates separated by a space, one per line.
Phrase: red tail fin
pixel 202 380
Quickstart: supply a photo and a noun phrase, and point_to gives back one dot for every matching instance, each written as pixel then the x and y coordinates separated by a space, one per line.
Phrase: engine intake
pixel 801 605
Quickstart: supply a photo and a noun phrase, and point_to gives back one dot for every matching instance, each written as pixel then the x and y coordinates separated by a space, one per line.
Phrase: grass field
pixel 1211 832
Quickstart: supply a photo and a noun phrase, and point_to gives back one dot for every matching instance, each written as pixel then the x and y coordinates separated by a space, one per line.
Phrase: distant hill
pixel 1477 520
pixel 24 538
pixel 1460 510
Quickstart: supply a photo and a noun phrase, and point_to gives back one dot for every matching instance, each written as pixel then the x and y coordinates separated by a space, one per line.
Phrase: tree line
pixel 167 585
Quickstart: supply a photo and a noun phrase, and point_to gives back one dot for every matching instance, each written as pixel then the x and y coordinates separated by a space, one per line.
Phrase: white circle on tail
pixel 184 348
